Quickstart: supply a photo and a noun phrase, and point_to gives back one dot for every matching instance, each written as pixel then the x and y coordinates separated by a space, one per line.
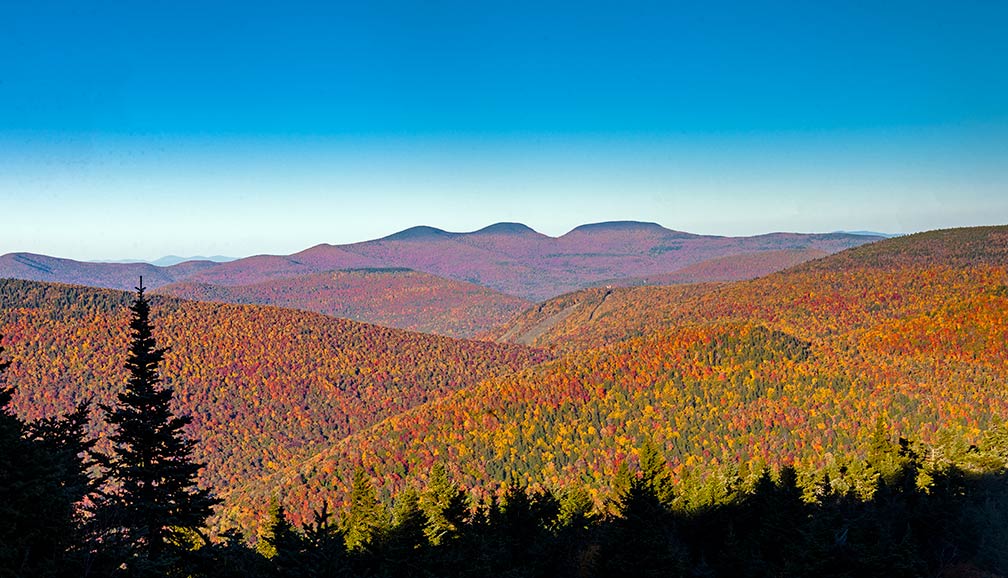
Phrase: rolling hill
pixel 32 267
pixel 265 386
pixel 796 367
pixel 516 260
pixel 399 298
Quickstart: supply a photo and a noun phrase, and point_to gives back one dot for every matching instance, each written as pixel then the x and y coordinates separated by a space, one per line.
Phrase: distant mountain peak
pixel 870 234
pixel 506 228
pixel 169 260
pixel 620 226
pixel 415 233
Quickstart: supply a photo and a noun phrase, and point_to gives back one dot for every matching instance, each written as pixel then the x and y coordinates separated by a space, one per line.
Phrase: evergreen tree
pixel 408 521
pixel 326 546
pixel 282 544
pixel 576 507
pixel 278 531
pixel 403 545
pixel 69 450
pixel 154 506
pixel 445 506
pixel 646 543
pixel 655 475
pixel 65 438
pixel 365 518
pixel 884 456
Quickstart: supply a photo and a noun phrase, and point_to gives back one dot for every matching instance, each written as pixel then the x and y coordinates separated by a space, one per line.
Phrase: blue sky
pixel 134 130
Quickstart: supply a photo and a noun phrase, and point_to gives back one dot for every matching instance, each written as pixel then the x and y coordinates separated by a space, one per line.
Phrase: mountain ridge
pixel 507 257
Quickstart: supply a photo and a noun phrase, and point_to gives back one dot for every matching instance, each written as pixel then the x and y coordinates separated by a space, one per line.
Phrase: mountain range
pixel 456 284
pixel 169 260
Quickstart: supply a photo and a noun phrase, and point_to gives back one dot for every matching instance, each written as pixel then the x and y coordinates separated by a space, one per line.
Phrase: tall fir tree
pixel 445 506
pixel 365 518
pixel 403 545
pixel 655 475
pixel 282 544
pixel 154 507
pixel 66 442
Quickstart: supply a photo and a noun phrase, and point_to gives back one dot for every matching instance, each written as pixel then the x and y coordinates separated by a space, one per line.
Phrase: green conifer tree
pixel 154 505
pixel 655 475
pixel 277 527
pixel 365 518
pixel 445 506
pixel 325 545
pixel 282 544
pixel 408 520
pixel 404 543
pixel 576 507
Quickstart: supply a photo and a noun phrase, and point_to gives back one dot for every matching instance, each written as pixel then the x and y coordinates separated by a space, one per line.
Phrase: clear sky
pixel 139 129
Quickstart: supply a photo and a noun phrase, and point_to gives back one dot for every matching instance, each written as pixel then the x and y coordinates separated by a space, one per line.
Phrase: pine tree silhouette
pixel 155 507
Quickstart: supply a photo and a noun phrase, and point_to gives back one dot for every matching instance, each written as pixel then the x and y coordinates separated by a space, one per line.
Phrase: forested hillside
pixel 799 367
pixel 727 268
pixel 828 296
pixel 399 298
pixel 265 385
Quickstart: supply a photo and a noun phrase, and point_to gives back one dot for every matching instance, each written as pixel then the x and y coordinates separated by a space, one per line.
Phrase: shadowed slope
pixel 391 297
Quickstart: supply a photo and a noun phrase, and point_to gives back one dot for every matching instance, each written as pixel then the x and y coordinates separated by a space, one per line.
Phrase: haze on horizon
pixel 137 131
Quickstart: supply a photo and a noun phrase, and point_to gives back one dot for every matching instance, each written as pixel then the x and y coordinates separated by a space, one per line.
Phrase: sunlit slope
pixel 391 297
pixel 822 297
pixel 796 367
pixel 264 385
pixel 595 317
pixel 728 268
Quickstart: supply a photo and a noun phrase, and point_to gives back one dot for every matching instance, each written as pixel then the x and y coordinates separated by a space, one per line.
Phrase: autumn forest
pixel 827 405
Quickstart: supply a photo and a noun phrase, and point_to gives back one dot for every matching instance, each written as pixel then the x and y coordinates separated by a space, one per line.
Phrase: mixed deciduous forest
pixel 844 417
pixel 389 297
